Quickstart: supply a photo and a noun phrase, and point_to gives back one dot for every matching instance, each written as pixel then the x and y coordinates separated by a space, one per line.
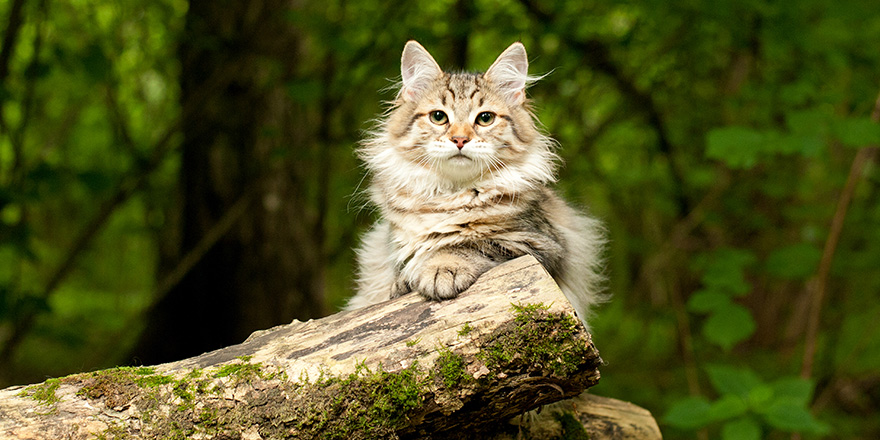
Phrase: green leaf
pixel 11 214
pixel 727 407
pixel 760 397
pixel 705 301
pixel 857 132
pixel 791 417
pixel 805 145
pixel 793 389
pixel 723 270
pixel 729 325
pixel 795 262
pixel 857 352
pixel 729 280
pixel 738 147
pixel 811 122
pixel 744 428
pixel 797 92
pixel 733 381
pixel 688 413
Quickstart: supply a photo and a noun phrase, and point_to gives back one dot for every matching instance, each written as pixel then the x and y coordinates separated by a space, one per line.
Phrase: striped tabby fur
pixel 465 190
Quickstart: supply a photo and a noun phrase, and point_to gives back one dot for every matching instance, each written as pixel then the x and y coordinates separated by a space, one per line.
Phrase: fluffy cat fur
pixel 461 174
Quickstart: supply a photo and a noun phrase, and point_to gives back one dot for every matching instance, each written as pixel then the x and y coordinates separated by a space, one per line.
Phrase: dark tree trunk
pixel 242 146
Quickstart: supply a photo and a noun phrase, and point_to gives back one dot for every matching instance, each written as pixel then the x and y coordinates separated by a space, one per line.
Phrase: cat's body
pixel 460 174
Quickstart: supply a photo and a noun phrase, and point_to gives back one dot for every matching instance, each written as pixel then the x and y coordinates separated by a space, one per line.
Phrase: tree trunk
pixel 407 368
pixel 243 145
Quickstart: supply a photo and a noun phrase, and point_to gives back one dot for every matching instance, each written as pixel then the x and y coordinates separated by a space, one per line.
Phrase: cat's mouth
pixel 460 157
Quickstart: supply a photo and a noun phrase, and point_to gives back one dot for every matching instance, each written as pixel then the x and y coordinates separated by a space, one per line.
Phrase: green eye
pixel 438 117
pixel 485 118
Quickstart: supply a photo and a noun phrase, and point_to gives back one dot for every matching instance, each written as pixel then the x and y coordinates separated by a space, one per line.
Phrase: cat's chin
pixel 460 169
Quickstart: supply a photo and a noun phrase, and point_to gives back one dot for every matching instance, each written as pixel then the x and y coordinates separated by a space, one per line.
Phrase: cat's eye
pixel 438 117
pixel 485 118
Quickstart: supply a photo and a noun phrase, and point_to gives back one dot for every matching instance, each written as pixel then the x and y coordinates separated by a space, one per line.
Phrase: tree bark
pixel 407 368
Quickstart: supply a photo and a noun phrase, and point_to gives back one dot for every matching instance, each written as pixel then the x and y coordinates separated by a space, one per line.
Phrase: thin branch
pixel 18 138
pixel 119 120
pixel 818 285
pixel 10 37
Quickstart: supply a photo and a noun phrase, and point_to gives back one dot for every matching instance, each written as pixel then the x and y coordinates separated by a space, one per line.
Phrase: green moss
pixel 371 404
pixel 241 371
pixel 528 312
pixel 141 371
pixel 113 432
pixel 450 368
pixel 244 371
pixel 538 339
pixel 413 342
pixel 153 381
pixel 105 382
pixel 182 390
pixel 43 393
pixel 572 428
pixel 394 394
pixel 465 329
pixel 100 383
pixel 189 415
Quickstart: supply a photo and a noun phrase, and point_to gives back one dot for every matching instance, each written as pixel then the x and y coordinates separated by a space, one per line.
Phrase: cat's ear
pixel 417 69
pixel 510 72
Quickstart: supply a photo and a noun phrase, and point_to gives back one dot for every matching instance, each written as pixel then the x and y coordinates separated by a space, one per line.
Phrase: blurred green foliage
pixel 712 137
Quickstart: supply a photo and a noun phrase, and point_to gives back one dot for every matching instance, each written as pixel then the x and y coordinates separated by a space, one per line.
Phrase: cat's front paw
pixel 444 277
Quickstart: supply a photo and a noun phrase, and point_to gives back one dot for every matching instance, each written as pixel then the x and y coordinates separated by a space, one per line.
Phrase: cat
pixel 460 173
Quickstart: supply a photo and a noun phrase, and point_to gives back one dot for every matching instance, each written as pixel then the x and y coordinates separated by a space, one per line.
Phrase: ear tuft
pixel 417 70
pixel 511 73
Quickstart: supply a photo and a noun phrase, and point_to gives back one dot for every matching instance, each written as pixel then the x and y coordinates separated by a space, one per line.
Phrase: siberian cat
pixel 460 174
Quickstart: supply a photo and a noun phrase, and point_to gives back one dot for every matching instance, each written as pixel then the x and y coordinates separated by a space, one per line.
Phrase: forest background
pixel 176 174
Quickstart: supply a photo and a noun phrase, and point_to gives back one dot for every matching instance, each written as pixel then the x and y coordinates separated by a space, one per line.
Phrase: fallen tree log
pixel 407 368
pixel 590 417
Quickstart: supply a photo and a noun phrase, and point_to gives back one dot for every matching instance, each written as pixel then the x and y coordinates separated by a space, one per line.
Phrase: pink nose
pixel 460 141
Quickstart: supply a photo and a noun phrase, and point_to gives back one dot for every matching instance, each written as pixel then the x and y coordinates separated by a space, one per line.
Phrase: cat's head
pixel 446 131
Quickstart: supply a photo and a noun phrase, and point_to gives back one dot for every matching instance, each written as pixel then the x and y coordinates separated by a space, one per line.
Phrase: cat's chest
pixel 465 216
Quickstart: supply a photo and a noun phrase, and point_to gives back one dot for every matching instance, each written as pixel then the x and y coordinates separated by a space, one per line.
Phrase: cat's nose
pixel 460 141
